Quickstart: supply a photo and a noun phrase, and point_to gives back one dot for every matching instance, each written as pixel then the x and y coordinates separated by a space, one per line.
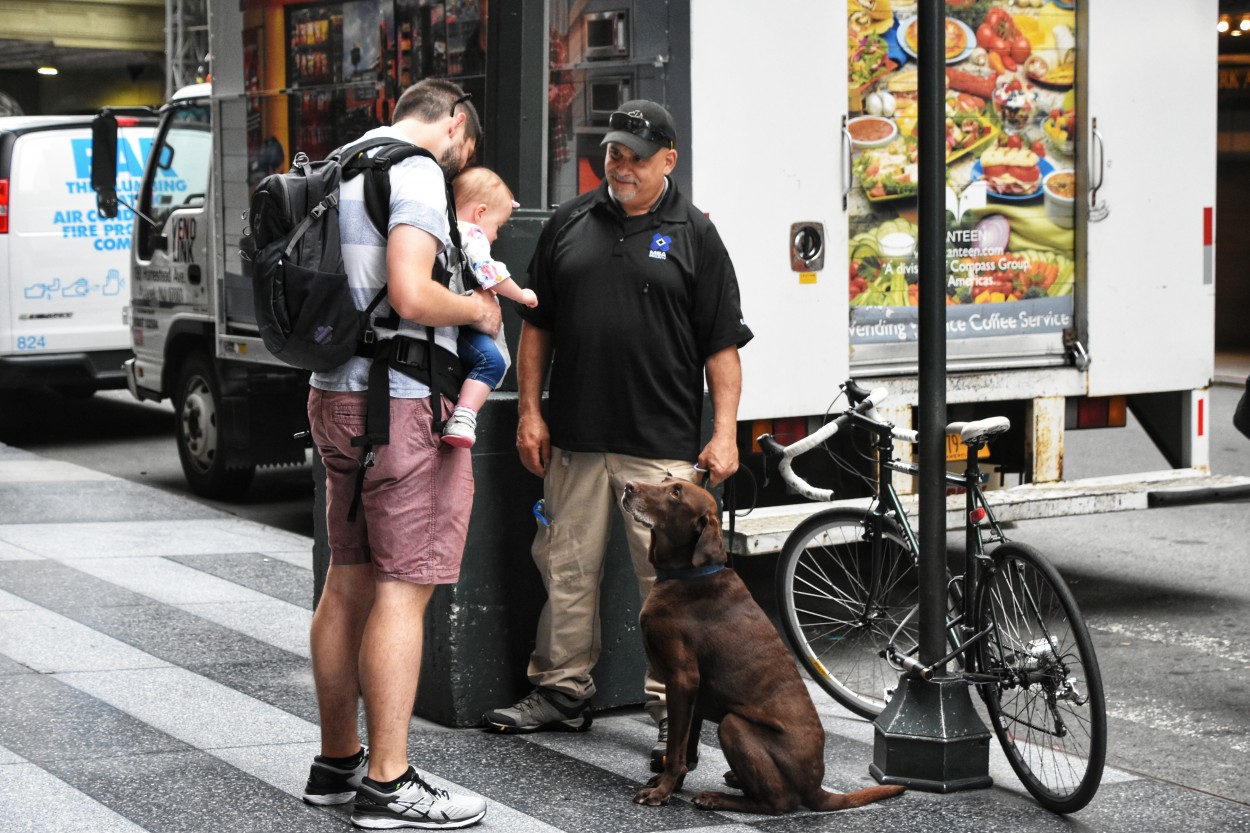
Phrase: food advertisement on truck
pixel 1010 76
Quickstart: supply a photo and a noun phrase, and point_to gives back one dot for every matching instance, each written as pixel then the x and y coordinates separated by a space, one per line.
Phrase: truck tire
pixel 197 406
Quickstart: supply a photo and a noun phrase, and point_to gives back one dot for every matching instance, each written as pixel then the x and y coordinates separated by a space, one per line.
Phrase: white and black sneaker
pixel 409 801
pixel 335 782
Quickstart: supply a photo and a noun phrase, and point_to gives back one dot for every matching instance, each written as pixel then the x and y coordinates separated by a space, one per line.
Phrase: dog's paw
pixel 731 780
pixel 708 801
pixel 652 796
pixel 654 781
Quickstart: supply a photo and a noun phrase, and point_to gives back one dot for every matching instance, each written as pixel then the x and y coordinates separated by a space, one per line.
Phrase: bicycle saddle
pixel 979 431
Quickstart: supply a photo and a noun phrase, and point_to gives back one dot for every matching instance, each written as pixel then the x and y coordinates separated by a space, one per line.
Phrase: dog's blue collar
pixel 690 572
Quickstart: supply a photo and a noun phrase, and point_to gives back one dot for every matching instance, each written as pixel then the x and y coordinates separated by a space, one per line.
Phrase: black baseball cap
pixel 642 126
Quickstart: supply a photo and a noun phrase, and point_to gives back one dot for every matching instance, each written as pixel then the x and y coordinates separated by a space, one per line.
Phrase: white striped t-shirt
pixel 418 198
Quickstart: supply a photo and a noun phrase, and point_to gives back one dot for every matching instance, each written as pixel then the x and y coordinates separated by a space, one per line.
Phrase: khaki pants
pixel 581 491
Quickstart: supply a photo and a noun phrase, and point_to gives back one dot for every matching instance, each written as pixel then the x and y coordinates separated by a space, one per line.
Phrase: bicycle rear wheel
pixel 837 615
pixel 1048 709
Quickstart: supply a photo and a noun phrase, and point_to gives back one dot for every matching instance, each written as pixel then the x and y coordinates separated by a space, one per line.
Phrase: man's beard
pixel 450 160
pixel 624 193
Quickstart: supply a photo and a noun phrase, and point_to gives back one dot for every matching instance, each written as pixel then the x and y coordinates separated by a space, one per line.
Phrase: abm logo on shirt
pixel 659 246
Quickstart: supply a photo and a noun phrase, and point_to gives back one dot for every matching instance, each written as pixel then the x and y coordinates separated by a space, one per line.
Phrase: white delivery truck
pixel 1067 305
pixel 760 96
pixel 64 270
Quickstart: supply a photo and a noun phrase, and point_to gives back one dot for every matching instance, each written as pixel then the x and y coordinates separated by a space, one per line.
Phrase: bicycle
pixel 848 597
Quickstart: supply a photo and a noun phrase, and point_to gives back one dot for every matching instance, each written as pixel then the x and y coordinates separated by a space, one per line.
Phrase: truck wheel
pixel 200 441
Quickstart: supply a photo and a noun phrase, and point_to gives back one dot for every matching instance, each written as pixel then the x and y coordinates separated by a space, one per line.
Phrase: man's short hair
pixel 432 99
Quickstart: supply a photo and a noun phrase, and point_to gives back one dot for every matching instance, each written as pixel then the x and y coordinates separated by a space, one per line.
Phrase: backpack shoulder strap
pixel 376 169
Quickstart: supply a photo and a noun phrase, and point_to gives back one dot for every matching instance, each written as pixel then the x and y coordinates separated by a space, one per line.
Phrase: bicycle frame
pixel 1011 622
pixel 980 525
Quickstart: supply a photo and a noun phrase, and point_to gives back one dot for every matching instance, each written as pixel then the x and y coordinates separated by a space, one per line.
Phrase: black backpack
pixel 304 308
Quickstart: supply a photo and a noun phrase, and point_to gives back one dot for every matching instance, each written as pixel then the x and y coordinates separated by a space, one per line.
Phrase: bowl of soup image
pixel 871 131
pixel 1059 188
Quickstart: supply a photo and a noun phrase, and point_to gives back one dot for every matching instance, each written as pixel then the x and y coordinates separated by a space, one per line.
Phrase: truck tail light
pixel 4 206
pixel 787 431
pixel 1096 412
pixel 127 121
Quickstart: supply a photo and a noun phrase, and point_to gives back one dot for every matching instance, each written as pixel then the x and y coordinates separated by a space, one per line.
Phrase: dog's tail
pixel 823 800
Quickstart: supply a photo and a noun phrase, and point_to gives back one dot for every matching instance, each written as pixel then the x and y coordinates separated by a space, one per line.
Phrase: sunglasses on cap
pixel 640 127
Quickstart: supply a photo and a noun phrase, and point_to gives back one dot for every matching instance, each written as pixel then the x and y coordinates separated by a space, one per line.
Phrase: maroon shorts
pixel 414 510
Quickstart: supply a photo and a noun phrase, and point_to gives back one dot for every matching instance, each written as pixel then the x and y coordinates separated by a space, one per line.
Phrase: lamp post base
pixel 930 738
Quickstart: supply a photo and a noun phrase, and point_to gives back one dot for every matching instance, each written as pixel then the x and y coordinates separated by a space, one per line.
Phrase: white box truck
pixel 1060 315
pixel 64 270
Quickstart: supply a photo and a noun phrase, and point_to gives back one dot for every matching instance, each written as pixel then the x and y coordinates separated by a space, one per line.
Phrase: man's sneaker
pixel 541 710
pixel 461 429
pixel 660 751
pixel 332 784
pixel 409 801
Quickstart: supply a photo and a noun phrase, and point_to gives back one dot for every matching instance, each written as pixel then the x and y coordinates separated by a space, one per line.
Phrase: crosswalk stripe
pixel 34 801
pixel 49 643
pixel 232 605
pixel 127 539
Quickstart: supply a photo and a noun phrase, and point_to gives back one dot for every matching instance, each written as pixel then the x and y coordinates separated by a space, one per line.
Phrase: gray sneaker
pixel 541 710
pixel 660 751
pixel 411 802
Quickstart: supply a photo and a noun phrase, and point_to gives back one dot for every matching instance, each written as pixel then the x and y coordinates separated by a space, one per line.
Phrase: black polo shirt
pixel 635 305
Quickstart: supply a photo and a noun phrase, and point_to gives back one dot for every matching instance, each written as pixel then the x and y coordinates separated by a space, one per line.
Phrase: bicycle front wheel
pixel 1047 708
pixel 839 612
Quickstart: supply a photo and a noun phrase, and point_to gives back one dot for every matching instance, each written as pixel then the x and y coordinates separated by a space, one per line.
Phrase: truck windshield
pixel 177 177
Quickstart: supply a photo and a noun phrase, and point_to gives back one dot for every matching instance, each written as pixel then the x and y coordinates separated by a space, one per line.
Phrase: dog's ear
pixel 710 548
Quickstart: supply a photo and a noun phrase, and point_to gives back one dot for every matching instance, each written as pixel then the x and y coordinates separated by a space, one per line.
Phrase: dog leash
pixel 728 501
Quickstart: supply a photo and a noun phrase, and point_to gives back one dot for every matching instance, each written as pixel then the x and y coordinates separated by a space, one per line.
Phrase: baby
pixel 483 205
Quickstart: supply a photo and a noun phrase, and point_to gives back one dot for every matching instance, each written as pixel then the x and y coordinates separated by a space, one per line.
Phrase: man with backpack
pixel 412 492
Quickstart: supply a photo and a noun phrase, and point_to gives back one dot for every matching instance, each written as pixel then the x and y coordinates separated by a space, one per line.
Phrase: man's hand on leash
pixel 720 459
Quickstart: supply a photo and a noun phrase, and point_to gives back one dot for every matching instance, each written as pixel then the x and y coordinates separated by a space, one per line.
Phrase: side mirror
pixel 104 163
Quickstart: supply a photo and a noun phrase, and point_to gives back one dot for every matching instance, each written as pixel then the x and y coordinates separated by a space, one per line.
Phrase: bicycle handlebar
pixel 864 407
pixel 863 402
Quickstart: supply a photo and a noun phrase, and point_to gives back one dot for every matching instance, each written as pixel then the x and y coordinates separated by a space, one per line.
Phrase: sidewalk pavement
pixel 155 677
pixel 154 664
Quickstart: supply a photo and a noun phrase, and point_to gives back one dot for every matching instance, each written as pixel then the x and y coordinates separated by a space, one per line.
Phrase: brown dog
pixel 722 660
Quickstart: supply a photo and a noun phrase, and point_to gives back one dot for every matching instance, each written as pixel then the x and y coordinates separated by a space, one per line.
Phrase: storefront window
pixel 345 64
